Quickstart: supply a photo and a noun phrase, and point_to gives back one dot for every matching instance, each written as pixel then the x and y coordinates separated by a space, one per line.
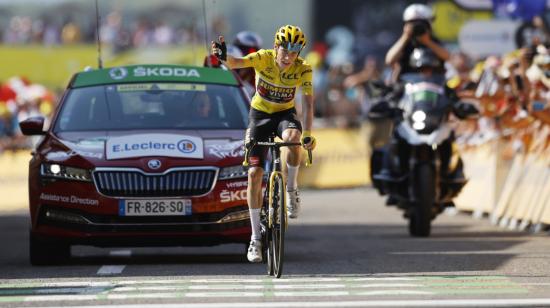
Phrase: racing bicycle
pixel 273 215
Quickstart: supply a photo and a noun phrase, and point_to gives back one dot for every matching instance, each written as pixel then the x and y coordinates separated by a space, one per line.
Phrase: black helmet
pixel 424 57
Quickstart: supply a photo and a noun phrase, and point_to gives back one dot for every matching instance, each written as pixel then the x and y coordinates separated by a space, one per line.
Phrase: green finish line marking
pixel 118 289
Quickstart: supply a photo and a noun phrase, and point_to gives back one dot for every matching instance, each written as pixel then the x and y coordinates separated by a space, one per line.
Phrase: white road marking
pixel 533 302
pixel 306 279
pixel 140 295
pixel 394 292
pixel 224 294
pixel 223 280
pixel 391 285
pixel 120 253
pixel 479 252
pixel 223 287
pixel 311 293
pixel 385 279
pixel 135 289
pixel 164 281
pixel 309 286
pixel 111 269
pixel 257 287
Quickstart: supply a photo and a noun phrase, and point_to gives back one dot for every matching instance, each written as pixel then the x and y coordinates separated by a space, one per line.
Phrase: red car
pixel 145 155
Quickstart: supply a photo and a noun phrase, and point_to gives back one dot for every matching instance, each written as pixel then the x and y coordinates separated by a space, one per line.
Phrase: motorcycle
pixel 420 169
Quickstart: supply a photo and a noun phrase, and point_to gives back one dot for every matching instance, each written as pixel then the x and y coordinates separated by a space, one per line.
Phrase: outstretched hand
pixel 219 48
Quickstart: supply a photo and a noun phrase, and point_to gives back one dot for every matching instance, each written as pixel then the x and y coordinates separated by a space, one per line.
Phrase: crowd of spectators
pixel 142 31
pixel 19 100
pixel 512 91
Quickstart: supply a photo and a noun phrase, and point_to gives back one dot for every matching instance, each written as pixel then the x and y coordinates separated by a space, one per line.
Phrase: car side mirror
pixel 32 126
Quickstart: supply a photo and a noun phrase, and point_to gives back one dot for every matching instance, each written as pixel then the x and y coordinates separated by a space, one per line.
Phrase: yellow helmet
pixel 291 38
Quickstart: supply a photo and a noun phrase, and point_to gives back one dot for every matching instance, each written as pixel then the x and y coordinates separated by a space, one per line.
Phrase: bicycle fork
pixel 277 173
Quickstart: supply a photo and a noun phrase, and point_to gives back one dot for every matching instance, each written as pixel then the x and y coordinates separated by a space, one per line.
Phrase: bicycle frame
pixel 275 170
pixel 276 222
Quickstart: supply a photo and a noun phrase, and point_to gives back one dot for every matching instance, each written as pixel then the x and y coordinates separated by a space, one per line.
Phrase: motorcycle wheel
pixel 420 219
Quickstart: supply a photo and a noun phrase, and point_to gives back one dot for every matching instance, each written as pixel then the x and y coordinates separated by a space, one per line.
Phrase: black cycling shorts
pixel 262 125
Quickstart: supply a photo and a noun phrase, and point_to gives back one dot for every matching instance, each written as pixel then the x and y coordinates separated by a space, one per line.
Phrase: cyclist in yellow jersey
pixel 279 72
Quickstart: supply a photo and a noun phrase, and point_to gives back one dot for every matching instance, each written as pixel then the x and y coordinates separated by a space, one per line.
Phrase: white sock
pixel 292 178
pixel 255 224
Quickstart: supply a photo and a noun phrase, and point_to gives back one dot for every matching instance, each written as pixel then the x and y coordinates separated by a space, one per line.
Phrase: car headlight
pixel 65 172
pixel 233 172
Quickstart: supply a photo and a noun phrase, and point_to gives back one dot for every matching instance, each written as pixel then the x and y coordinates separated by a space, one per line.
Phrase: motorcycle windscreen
pixel 426 110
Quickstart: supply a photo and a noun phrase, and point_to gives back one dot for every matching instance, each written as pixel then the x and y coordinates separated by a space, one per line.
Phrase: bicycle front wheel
pixel 278 220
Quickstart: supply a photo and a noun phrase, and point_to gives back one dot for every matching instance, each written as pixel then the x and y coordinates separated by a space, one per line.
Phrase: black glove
pixel 219 49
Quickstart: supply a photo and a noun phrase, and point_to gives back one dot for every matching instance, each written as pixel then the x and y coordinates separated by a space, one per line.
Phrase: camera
pixel 419 27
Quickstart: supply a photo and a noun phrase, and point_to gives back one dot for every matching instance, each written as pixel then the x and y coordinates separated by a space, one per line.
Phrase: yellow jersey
pixel 276 89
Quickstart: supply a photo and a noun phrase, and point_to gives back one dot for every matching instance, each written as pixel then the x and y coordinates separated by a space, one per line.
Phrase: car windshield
pixel 153 106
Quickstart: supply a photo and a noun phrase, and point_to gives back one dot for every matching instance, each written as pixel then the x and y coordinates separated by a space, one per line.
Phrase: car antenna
pixel 208 61
pixel 97 19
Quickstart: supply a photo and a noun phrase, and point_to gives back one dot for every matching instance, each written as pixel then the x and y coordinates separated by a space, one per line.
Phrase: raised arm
pixel 440 51
pixel 220 50
pixel 395 52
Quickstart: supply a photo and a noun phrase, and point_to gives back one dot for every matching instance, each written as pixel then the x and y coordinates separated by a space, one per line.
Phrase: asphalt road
pixel 346 250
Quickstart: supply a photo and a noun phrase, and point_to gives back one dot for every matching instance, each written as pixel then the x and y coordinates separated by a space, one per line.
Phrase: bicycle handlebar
pixel 309 160
pixel 251 144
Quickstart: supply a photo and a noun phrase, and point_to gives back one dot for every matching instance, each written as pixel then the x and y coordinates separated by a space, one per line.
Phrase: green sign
pixel 153 73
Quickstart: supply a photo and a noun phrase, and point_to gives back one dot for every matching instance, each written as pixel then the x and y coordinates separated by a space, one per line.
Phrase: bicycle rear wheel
pixel 278 212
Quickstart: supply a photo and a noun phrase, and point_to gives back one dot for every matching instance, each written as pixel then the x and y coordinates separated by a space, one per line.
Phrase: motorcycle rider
pixel 427 64
pixel 417 32
pixel 279 71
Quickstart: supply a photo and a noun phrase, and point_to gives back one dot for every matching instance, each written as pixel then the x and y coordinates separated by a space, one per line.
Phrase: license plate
pixel 153 207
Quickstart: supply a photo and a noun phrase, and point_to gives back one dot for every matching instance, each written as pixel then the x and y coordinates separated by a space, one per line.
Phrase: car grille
pixel 173 183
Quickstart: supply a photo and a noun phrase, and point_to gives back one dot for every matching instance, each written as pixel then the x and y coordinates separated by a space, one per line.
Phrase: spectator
pixel 417 32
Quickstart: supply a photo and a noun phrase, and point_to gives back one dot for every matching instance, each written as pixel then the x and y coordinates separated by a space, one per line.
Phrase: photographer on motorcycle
pixel 417 32
pixel 420 169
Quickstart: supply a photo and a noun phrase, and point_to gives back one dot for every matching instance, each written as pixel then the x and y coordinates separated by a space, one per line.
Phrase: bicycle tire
pixel 266 240
pixel 278 225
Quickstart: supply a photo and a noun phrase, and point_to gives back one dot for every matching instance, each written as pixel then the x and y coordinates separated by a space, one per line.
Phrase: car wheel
pixel 43 252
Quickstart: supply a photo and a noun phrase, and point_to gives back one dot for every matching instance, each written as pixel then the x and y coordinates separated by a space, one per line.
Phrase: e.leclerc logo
pixel 186 146
pixel 154 145
pixel 118 73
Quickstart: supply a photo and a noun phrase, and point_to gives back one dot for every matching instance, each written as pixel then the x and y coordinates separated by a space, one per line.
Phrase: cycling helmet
pixel 248 42
pixel 234 51
pixel 291 38
pixel 418 12
pixel 423 57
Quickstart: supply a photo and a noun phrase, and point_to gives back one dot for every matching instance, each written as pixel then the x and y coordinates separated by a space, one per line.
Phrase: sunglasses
pixel 292 47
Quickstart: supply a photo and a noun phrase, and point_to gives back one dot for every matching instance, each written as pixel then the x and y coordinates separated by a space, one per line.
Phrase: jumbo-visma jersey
pixel 276 89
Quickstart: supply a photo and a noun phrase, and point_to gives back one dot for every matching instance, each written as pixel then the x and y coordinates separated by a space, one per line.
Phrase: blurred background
pixel 42 43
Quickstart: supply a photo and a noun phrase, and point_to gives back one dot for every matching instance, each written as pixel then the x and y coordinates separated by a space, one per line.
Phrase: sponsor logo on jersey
pixel 275 94
pixel 289 76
